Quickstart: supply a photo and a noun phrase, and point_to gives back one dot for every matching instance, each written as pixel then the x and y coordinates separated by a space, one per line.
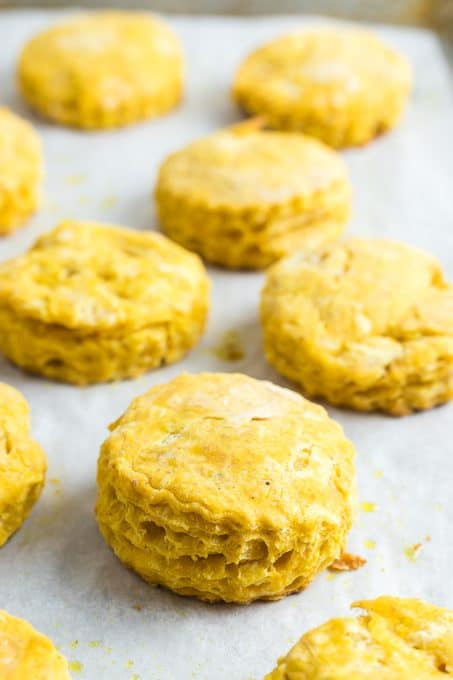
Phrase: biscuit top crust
pixel 111 53
pixel 237 169
pixel 20 455
pixel 20 151
pixel 397 639
pixel 25 653
pixel 94 277
pixel 232 450
pixel 365 296
pixel 332 66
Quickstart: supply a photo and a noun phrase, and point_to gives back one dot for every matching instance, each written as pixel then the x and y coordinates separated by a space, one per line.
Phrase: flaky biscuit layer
pixel 226 488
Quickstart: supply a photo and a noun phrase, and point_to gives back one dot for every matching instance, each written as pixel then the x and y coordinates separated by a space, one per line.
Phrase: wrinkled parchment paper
pixel 57 571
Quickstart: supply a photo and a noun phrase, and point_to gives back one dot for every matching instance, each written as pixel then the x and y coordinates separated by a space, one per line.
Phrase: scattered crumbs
pixel 94 643
pixel 427 538
pixel 230 347
pixel 109 201
pixel 438 507
pixel 83 200
pixel 347 562
pixel 378 474
pixel 330 575
pixel 75 179
pixel 137 606
pixel 75 666
pixel 366 506
pixel 412 551
pixel 370 544
pixel 135 677
pixel 74 644
pixel 129 664
pixel 56 484
pixel 109 650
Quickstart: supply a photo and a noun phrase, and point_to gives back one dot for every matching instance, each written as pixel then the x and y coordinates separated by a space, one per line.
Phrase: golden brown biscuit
pixel 22 464
pixel 226 488
pixel 244 197
pixel 20 171
pixel 26 654
pixel 91 302
pixel 342 85
pixel 397 639
pixel 103 70
pixel 365 323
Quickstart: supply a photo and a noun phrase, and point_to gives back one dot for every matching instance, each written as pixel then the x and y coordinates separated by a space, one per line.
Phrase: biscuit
pixel 20 171
pixel 22 463
pixel 243 198
pixel 343 86
pixel 103 70
pixel 366 324
pixel 91 303
pixel 26 654
pixel 226 488
pixel 396 639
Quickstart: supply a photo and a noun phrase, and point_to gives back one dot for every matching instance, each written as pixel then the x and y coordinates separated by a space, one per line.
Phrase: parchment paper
pixel 57 571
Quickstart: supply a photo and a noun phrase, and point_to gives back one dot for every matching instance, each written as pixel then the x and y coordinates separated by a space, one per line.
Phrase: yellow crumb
pixel 369 543
pixel 230 347
pixel 412 551
pixel 75 666
pixel 366 506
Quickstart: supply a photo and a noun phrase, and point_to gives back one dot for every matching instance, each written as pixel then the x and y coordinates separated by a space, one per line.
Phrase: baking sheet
pixel 57 571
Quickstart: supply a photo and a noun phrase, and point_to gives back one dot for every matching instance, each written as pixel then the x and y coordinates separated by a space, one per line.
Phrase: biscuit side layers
pixel 88 306
pixel 227 521
pixel 22 463
pixel 396 639
pixel 253 238
pixel 243 198
pixel 381 341
pixel 26 654
pixel 103 70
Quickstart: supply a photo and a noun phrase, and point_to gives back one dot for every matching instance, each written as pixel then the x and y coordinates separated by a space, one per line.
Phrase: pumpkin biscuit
pixel 396 639
pixel 365 323
pixel 226 488
pixel 103 70
pixel 341 85
pixel 22 464
pixel 90 303
pixel 26 654
pixel 243 198
pixel 21 169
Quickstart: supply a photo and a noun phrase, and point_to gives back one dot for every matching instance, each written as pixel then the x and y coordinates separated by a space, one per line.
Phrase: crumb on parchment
pixel 230 347
pixel 347 562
